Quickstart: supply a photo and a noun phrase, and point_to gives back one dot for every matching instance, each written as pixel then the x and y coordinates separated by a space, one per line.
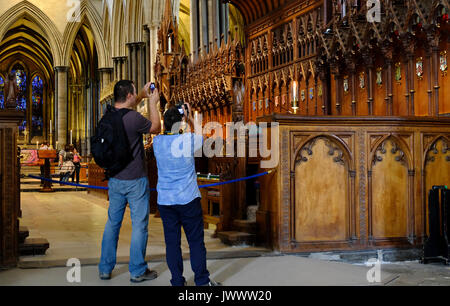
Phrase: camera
pixel 181 109
pixel 152 87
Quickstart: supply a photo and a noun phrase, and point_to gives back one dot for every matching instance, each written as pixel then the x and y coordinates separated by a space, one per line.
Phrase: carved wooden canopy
pixel 253 10
pixel 403 23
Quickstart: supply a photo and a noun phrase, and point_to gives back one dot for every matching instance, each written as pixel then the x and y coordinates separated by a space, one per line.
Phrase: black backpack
pixel 110 146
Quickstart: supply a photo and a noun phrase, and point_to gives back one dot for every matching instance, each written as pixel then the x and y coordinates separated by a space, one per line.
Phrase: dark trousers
pixel 190 216
pixel 42 168
pixel 76 173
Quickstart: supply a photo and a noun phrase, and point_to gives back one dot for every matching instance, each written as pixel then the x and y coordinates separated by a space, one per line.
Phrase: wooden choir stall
pixel 356 112
pixel 10 211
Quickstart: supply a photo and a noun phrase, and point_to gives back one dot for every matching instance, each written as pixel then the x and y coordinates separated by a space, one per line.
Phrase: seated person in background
pixel 66 164
pixel 179 197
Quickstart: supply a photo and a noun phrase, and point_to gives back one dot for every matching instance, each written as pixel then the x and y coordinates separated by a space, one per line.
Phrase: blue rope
pixel 235 180
pixel 153 189
pixel 67 183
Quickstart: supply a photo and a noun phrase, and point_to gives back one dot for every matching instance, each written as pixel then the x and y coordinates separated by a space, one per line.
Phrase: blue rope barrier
pixel 67 183
pixel 235 180
pixel 154 189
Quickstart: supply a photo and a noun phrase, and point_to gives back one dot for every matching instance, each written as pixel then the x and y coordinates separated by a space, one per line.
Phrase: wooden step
pixel 23 234
pixel 236 238
pixel 33 246
pixel 245 226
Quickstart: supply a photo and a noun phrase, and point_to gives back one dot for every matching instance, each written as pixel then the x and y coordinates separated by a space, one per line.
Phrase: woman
pixel 179 197
pixel 77 164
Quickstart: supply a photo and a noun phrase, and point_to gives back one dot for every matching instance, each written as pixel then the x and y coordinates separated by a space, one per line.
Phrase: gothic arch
pixel 344 156
pixel 87 14
pixel 27 9
pixel 404 149
pixel 430 146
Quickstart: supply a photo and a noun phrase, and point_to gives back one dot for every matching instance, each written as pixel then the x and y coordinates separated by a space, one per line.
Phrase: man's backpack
pixel 110 146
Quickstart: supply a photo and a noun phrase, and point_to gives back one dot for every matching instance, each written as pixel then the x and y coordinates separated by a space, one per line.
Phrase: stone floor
pixel 73 223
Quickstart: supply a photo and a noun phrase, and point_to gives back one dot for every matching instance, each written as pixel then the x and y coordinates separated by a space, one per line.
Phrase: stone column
pixel 130 60
pixel 105 77
pixel 61 103
pixel 142 69
pixel 194 27
pixel 148 63
pixel 116 68
pixel 153 49
pixel 204 23
pixel 125 73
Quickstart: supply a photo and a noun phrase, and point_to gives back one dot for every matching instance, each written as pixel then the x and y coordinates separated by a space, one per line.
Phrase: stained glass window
pixel 21 79
pixel 2 95
pixel 37 89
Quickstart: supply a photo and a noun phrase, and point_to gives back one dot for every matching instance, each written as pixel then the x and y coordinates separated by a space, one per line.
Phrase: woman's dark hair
pixel 122 89
pixel 171 116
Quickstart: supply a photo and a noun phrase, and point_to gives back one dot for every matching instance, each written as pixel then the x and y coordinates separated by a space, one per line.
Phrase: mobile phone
pixel 152 87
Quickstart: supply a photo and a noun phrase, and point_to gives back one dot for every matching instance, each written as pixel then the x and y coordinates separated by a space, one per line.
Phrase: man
pixel 179 197
pixel 131 185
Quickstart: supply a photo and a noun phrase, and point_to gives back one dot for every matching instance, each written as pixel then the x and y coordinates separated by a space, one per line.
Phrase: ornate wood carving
pixel 395 149
pixel 9 187
pixel 331 146
pixel 404 27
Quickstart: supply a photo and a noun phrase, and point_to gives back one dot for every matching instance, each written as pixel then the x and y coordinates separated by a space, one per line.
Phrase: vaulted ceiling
pixel 26 40
pixel 253 10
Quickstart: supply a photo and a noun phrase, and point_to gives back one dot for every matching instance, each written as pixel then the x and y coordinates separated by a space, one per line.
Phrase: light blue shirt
pixel 177 179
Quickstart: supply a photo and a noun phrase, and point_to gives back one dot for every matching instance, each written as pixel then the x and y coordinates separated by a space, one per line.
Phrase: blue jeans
pixel 137 194
pixel 190 216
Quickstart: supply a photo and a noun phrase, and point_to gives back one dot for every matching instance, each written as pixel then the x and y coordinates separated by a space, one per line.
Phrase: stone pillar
pixel 142 69
pixel 105 77
pixel 194 27
pixel 153 50
pixel 116 68
pixel 124 72
pixel 203 12
pixel 61 104
pixel 130 60
pixel 148 63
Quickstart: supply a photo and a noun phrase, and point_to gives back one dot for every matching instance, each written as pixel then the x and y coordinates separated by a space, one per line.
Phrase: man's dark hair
pixel 122 89
pixel 172 116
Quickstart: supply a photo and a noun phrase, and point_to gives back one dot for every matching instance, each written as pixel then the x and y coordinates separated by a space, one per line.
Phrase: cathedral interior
pixel 354 91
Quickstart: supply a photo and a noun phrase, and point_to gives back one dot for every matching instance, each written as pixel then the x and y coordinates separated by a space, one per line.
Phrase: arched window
pixel 37 102
pixel 21 79
pixel 2 95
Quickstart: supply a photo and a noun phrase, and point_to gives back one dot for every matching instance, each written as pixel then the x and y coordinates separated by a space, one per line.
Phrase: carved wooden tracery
pixel 406 29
